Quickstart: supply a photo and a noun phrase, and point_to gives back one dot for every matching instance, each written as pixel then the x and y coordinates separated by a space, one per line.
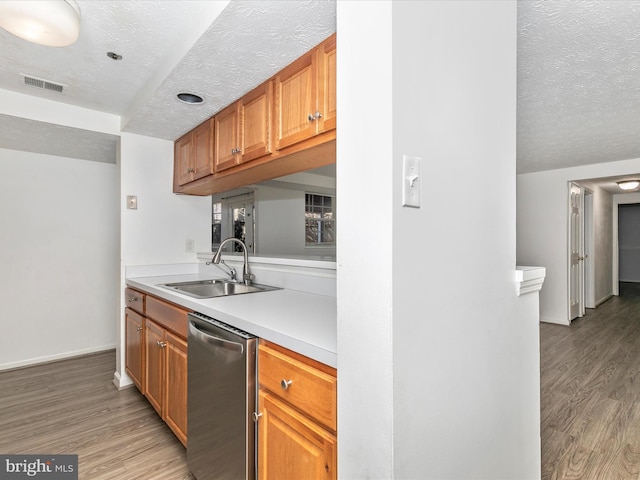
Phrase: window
pixel 319 220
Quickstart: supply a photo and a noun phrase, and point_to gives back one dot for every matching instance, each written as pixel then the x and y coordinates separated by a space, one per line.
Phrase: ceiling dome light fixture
pixel 190 98
pixel 629 184
pixel 53 23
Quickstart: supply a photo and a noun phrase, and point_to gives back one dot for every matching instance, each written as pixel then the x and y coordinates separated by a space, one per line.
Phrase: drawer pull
pixel 132 299
pixel 285 384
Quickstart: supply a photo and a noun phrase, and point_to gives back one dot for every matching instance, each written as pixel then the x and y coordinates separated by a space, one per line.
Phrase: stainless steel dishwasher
pixel 221 396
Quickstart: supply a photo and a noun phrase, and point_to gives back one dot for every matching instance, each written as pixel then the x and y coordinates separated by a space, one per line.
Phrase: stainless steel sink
pixel 215 288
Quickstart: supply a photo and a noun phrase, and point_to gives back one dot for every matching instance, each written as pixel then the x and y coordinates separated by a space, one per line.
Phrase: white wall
pixel 542 229
pixel 156 232
pixel 449 362
pixel 364 262
pixel 58 250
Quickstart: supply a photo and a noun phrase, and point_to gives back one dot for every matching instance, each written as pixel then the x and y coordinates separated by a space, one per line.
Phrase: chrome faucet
pixel 247 277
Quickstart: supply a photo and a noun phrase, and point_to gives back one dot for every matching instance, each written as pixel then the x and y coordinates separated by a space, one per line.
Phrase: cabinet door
pixel 255 122
pixel 227 142
pixel 134 341
pixel 327 87
pixel 203 150
pixel 182 161
pixel 291 447
pixel 175 405
pixel 296 97
pixel 154 335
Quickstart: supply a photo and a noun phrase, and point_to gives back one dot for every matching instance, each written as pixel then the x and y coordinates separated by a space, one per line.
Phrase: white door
pixel 576 253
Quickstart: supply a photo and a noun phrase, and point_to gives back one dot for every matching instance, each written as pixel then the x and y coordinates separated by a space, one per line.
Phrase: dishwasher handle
pixel 214 341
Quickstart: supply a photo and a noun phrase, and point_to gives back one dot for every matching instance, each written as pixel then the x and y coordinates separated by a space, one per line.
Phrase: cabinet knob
pixel 318 115
pixel 234 151
pixel 161 344
pixel 311 117
pixel 132 299
pixel 256 416
pixel 139 329
pixel 191 170
pixel 285 384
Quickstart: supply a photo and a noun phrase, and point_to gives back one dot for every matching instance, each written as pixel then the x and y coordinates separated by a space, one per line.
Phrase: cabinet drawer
pixel 168 315
pixel 311 390
pixel 135 300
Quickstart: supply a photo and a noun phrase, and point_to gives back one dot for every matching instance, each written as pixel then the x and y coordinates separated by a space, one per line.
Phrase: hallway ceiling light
pixel 53 23
pixel 629 184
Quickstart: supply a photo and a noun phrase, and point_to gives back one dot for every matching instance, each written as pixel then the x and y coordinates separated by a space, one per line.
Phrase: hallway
pixel 590 392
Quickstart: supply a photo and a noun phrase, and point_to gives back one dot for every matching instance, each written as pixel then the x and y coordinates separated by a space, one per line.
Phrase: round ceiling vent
pixel 190 98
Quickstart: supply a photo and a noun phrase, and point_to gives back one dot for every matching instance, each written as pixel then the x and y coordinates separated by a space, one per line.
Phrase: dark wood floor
pixel 590 392
pixel 72 407
pixel 590 415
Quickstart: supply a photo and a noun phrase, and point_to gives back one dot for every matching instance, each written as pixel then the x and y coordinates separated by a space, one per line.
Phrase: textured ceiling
pixel 578 69
pixel 218 49
pixel 578 83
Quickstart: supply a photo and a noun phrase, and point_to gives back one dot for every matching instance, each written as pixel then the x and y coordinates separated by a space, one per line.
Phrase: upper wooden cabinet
pixel 306 96
pixel 255 122
pixel 243 129
pixel 283 126
pixel 193 154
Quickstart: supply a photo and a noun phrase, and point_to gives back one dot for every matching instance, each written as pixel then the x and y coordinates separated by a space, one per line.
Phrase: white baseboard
pixel 29 362
pixel 554 320
pixel 122 381
pixel 604 299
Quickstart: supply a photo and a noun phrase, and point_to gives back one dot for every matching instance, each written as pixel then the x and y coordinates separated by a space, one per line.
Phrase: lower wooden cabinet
pixel 156 358
pixel 166 385
pixel 175 394
pixel 297 435
pixel 134 347
pixel 291 446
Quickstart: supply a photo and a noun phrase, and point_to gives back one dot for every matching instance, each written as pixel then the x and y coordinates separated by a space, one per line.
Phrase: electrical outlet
pixel 189 246
pixel 411 181
pixel 132 202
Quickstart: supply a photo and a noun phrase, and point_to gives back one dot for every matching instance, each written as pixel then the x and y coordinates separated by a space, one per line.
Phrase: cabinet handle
pixel 161 344
pixel 256 416
pixel 285 384
pixel 139 329
pixel 132 299
pixel 191 170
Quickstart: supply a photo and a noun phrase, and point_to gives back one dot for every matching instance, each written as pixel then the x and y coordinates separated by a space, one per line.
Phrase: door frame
pixel 575 252
pixel 589 251
pixel 619 199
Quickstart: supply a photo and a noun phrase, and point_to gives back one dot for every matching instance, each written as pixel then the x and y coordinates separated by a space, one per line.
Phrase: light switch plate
pixel 411 181
pixel 132 202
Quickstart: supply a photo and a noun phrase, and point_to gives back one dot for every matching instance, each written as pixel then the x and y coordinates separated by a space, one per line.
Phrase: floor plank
pixel 72 407
pixel 590 391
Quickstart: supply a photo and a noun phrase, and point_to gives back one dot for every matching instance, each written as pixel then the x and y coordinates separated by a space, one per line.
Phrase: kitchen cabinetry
pixel 134 337
pixel 156 357
pixel 193 154
pixel 285 125
pixel 297 416
pixel 243 129
pixel 306 96
pixel 134 348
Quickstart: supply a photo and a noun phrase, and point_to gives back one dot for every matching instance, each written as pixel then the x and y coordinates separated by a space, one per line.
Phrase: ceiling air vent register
pixel 42 83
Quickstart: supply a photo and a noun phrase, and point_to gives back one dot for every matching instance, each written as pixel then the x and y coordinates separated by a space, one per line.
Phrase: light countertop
pixel 302 322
